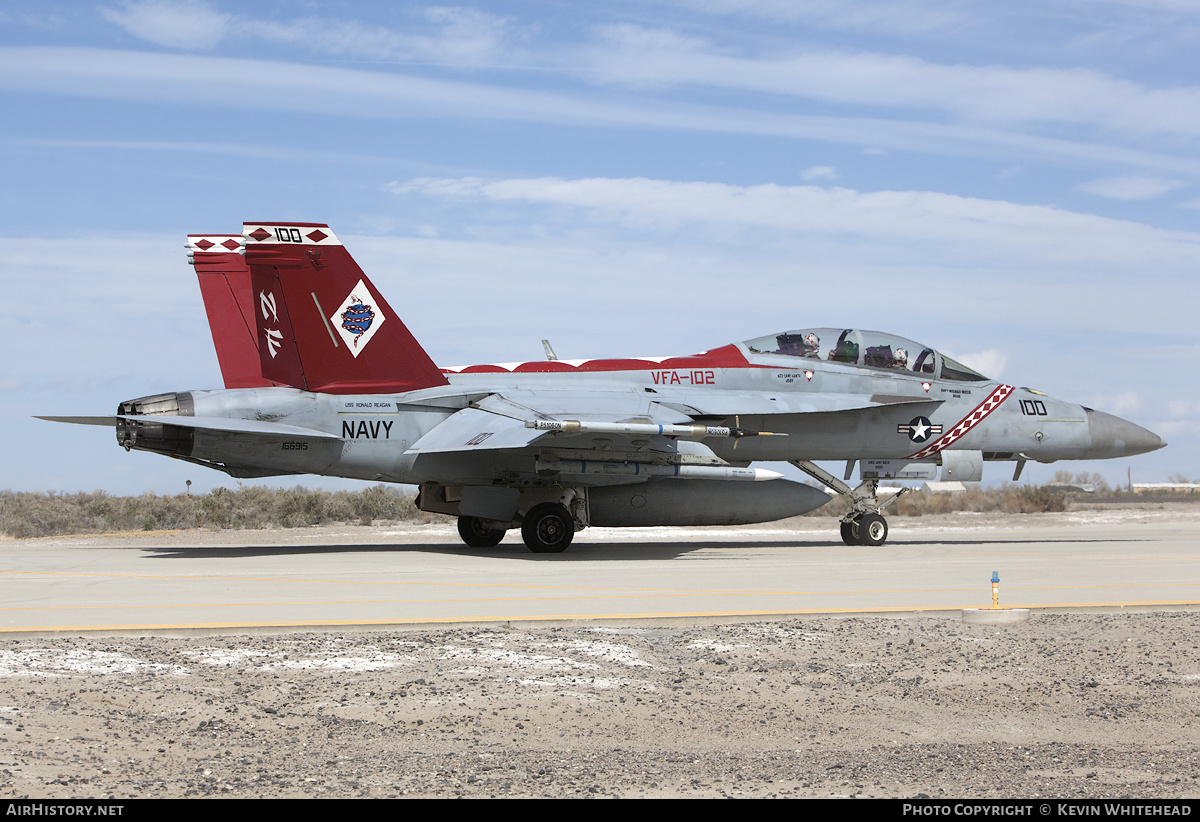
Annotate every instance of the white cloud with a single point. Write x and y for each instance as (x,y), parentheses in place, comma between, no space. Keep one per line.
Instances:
(1131,188)
(443,35)
(643,57)
(965,230)
(452,36)
(926,265)
(996,95)
(1169,8)
(907,16)
(182,24)
(1123,404)
(334,91)
(819,173)
(991,363)
(1184,408)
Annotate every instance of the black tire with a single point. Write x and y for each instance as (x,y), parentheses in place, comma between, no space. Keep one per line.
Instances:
(548,528)
(872,529)
(850,532)
(479,533)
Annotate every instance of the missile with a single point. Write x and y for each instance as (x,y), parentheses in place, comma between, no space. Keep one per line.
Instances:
(693,432)
(645,469)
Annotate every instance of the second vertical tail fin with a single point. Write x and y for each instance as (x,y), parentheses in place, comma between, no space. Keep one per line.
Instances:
(229,302)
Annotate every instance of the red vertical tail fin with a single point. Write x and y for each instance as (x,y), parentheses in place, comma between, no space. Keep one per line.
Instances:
(321,325)
(229,302)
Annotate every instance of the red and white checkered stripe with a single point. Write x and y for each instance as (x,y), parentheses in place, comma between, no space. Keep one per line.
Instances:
(964,425)
(214,243)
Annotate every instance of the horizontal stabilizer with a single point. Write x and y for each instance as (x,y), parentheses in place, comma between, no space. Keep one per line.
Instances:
(221,424)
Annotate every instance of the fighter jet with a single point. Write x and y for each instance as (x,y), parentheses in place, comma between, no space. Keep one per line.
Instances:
(322,377)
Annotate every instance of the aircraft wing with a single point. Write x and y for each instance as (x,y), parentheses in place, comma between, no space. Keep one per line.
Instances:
(498,421)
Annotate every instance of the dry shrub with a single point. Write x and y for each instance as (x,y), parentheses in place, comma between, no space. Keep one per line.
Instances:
(24,515)
(1032,499)
(1009,499)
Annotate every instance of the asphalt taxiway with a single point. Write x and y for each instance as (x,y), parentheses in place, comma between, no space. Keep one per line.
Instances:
(421,574)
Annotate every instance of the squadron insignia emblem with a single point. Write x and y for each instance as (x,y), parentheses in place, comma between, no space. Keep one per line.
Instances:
(358,318)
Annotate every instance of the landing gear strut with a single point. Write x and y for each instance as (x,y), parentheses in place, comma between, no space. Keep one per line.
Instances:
(864,525)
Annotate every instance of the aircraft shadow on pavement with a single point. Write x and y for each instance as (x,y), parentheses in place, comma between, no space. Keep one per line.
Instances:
(601,551)
(580,551)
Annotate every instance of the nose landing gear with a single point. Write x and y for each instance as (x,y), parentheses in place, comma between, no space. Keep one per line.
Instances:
(867,529)
(864,525)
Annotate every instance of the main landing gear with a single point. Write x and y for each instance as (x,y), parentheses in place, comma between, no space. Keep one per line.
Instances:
(864,525)
(547,528)
(477,532)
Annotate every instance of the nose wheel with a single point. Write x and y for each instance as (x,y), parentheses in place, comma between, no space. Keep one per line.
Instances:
(850,531)
(872,529)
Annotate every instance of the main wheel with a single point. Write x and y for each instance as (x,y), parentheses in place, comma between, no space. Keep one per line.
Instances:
(850,532)
(479,533)
(548,528)
(872,529)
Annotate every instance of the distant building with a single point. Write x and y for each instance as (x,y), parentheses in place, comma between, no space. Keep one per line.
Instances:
(951,487)
(1156,487)
(1083,487)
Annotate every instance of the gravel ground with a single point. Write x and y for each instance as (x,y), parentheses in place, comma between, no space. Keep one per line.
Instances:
(1066,705)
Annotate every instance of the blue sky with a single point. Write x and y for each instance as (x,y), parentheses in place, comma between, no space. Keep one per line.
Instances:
(1016,184)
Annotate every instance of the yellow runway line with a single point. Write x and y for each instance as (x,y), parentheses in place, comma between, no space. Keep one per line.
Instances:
(537,618)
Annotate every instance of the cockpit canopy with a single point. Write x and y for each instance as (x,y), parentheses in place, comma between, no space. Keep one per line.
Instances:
(873,349)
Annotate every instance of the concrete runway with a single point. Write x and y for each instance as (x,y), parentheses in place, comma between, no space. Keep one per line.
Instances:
(409,575)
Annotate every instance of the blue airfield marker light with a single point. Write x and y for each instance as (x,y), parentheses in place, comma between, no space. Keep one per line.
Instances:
(995,615)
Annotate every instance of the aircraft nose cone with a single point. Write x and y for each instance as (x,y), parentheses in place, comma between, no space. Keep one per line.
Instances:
(1114,437)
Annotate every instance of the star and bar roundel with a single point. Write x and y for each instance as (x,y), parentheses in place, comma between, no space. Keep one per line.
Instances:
(917,431)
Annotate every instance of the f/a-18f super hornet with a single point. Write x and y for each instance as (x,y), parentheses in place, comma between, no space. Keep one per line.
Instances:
(322,377)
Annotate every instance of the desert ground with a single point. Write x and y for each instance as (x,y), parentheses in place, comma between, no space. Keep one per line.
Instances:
(1072,704)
